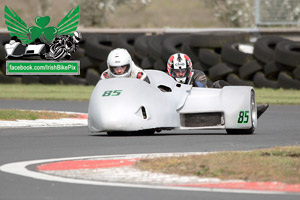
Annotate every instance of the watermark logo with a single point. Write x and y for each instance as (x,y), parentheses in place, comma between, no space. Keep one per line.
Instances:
(17,27)
(42,41)
(36,67)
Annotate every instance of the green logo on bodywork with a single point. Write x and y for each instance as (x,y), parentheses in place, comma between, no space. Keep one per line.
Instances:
(112,93)
(17,27)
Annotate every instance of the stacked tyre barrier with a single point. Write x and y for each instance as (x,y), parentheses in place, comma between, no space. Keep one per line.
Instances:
(270,61)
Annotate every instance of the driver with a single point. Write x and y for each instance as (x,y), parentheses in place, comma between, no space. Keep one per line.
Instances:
(120,65)
(180,68)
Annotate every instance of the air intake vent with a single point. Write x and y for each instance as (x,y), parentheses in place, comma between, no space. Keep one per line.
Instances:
(144,112)
(202,119)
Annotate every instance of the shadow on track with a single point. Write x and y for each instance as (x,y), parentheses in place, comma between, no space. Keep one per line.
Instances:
(173,133)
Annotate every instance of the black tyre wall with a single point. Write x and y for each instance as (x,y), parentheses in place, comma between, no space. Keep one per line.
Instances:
(233,79)
(286,81)
(249,69)
(260,81)
(217,39)
(219,71)
(288,53)
(171,45)
(296,73)
(192,52)
(264,48)
(231,54)
(208,57)
(99,46)
(126,41)
(141,46)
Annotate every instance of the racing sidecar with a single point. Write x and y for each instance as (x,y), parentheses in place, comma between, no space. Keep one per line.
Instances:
(127,104)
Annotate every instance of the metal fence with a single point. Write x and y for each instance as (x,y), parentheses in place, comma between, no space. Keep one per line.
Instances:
(277,12)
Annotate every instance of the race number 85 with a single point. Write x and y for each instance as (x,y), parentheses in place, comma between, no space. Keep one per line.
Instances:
(108,93)
(243,117)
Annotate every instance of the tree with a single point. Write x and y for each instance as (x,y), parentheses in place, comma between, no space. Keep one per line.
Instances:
(241,13)
(93,12)
(233,13)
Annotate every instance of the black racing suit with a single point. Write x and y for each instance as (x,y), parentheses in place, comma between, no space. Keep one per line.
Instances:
(198,79)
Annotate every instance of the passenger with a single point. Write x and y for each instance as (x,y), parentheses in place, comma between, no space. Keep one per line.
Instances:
(180,67)
(121,65)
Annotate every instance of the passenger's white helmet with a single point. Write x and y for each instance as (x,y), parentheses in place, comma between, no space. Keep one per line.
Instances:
(119,58)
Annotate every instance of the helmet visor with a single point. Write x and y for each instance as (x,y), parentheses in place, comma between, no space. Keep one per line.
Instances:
(119,70)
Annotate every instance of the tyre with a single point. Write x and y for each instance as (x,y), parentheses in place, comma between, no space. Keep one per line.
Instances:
(160,65)
(72,80)
(171,45)
(286,81)
(288,53)
(2,68)
(231,53)
(92,77)
(9,79)
(261,81)
(85,63)
(198,66)
(126,41)
(296,73)
(233,79)
(249,69)
(192,52)
(264,48)
(79,53)
(217,39)
(208,57)
(99,46)
(2,52)
(235,68)
(272,69)
(102,67)
(253,117)
(141,46)
(155,46)
(30,80)
(4,38)
(219,71)
(147,63)
(50,79)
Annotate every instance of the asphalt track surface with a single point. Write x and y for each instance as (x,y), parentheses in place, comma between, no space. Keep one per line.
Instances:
(279,126)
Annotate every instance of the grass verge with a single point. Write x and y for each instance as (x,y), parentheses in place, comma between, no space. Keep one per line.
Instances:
(277,164)
(279,96)
(12,115)
(80,93)
(45,92)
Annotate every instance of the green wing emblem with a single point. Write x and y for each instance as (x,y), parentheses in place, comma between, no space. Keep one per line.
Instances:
(69,23)
(16,26)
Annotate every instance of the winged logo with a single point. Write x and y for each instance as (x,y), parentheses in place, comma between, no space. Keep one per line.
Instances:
(17,27)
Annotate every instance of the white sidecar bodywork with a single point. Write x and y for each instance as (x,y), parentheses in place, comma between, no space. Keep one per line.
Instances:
(127,104)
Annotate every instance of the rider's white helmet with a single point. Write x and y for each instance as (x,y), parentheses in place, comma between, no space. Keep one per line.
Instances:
(119,58)
(180,62)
